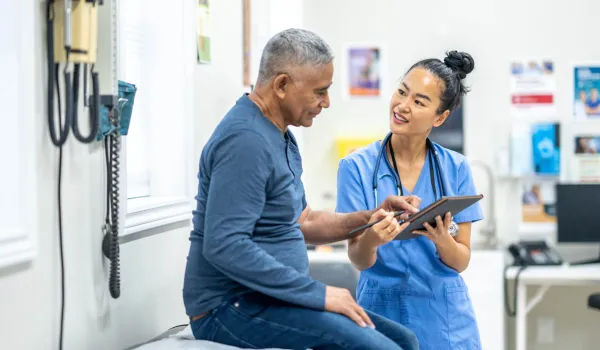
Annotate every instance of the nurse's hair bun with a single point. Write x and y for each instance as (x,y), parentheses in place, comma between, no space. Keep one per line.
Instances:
(460,62)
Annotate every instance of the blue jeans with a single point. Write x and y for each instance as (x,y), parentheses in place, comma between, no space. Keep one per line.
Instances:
(257,321)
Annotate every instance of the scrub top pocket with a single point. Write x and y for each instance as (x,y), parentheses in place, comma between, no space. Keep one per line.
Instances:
(391,303)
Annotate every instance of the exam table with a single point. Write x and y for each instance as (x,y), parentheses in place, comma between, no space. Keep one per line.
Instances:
(181,338)
(331,269)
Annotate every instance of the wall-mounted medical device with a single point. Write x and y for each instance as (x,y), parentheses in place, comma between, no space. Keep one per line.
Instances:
(114,123)
(72,39)
(72,49)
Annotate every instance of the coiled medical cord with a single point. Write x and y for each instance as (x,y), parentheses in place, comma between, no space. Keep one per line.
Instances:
(110,245)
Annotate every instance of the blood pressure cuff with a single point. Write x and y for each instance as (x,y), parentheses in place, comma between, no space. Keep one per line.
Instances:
(124,105)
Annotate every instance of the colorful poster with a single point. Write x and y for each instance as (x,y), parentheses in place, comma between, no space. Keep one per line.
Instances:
(533,88)
(586,167)
(203,34)
(586,102)
(345,146)
(545,139)
(539,202)
(363,71)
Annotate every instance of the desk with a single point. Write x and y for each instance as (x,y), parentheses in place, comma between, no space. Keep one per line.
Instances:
(545,277)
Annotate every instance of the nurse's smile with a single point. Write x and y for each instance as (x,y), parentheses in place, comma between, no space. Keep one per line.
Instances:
(400,119)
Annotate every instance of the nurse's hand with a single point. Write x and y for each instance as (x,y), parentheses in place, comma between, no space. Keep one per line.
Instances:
(410,204)
(440,231)
(383,231)
(340,301)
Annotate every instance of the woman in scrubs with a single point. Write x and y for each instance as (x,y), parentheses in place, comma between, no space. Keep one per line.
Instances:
(417,282)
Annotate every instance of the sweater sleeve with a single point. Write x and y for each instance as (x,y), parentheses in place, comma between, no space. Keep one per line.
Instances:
(240,168)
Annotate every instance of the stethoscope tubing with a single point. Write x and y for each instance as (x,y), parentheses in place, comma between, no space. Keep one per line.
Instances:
(376,177)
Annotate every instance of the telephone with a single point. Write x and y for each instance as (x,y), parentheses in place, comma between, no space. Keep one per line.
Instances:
(527,253)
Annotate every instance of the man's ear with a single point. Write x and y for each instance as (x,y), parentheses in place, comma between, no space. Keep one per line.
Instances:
(281,84)
(440,119)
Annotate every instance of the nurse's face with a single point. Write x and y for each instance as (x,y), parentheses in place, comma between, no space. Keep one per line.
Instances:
(414,105)
(303,93)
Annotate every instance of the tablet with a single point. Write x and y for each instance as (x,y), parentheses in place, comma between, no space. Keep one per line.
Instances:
(453,205)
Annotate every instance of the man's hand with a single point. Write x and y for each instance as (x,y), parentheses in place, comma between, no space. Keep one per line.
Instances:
(340,301)
(410,204)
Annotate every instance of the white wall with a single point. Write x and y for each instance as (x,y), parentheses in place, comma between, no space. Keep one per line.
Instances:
(268,18)
(151,268)
(494,32)
(220,84)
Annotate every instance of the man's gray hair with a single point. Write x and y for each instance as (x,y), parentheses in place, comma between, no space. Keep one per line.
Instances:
(292,47)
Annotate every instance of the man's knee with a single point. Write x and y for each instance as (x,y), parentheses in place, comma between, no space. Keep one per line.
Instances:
(411,342)
(405,339)
(371,339)
(396,332)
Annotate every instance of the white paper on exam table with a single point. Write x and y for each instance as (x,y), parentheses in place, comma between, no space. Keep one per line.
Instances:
(184,340)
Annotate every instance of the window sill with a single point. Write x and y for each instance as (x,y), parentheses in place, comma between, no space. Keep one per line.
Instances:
(151,212)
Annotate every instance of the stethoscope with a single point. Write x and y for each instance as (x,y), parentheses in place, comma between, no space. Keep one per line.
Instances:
(434,161)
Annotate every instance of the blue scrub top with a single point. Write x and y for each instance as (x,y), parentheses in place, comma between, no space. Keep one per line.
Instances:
(409,283)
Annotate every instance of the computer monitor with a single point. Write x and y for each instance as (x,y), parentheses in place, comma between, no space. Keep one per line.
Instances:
(578,215)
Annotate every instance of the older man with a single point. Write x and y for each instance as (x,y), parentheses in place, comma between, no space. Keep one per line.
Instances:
(246,281)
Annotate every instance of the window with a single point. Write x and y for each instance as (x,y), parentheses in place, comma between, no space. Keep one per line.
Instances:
(18,177)
(153,54)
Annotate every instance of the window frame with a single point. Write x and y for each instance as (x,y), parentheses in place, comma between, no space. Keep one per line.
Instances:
(168,202)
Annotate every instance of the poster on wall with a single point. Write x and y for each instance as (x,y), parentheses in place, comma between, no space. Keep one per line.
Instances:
(532,88)
(535,149)
(545,140)
(538,202)
(586,167)
(586,99)
(363,71)
(203,35)
(347,145)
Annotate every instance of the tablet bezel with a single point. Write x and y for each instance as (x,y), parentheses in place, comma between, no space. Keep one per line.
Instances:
(440,207)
